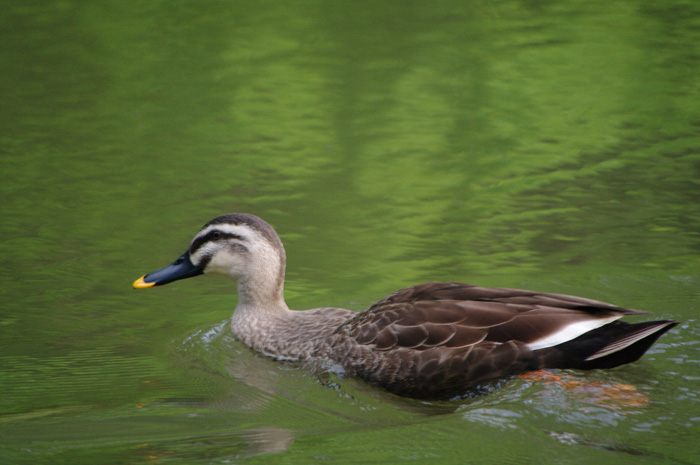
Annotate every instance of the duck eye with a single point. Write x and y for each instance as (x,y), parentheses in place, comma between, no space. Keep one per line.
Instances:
(216,235)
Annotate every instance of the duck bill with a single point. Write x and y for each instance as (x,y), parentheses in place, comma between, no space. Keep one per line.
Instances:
(180,269)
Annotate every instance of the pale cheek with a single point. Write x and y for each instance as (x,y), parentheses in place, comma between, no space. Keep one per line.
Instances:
(226,265)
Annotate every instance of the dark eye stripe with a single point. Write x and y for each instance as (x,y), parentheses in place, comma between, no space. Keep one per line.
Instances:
(214,235)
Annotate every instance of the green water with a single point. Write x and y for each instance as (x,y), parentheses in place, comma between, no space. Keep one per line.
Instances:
(545,145)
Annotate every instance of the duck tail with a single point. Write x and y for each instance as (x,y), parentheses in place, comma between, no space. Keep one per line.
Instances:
(609,346)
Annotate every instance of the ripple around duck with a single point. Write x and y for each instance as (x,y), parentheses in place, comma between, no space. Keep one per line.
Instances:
(606,410)
(577,403)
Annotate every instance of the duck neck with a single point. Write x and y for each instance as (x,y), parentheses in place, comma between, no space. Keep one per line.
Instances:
(267,300)
(260,301)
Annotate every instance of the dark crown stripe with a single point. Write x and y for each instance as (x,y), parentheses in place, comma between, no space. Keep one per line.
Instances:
(198,242)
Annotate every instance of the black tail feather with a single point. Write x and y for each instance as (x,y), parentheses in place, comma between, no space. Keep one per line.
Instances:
(609,346)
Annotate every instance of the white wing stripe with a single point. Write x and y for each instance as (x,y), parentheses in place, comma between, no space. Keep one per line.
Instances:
(571,331)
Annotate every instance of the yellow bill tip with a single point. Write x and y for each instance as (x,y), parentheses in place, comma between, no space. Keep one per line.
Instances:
(141,284)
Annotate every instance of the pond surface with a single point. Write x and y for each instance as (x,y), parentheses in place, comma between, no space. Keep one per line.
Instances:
(553,146)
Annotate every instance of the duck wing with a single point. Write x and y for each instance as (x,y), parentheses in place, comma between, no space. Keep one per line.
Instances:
(437,339)
(454,315)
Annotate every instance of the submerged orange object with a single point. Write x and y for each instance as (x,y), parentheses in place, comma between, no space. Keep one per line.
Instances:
(614,396)
(541,375)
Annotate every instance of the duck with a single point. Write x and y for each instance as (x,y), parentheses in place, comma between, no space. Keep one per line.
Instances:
(436,340)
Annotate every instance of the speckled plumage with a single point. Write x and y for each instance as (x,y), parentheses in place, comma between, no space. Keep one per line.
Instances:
(434,340)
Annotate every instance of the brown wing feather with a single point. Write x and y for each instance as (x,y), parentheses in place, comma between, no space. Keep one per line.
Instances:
(457,315)
(469,292)
(436,340)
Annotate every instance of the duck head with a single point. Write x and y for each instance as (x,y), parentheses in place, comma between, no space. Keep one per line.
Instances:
(238,245)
